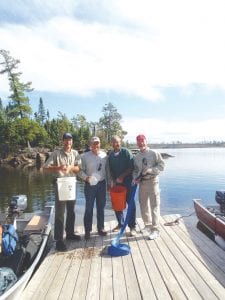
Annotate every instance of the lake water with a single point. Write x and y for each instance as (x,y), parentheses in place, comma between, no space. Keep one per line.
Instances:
(191,173)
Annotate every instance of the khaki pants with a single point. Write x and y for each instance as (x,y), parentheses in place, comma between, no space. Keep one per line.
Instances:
(149,199)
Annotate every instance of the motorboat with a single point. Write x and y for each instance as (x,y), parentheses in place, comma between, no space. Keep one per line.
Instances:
(212,217)
(33,231)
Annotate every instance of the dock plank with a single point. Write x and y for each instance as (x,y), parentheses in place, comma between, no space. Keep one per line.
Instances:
(118,270)
(196,271)
(95,271)
(178,265)
(81,284)
(106,288)
(151,263)
(144,281)
(173,287)
(50,275)
(39,277)
(204,253)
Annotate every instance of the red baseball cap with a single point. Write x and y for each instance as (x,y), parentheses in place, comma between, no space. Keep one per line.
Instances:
(140,137)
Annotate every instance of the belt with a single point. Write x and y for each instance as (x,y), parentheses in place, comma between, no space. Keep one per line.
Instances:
(149,178)
(101,181)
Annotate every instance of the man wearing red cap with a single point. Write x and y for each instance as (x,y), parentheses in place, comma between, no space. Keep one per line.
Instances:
(147,166)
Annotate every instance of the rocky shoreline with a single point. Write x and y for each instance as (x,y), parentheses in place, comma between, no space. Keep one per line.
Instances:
(36,157)
(28,157)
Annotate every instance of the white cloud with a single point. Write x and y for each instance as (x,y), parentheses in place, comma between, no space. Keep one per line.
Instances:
(171,131)
(145,45)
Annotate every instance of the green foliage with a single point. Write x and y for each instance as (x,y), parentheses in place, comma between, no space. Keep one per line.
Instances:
(82,133)
(29,130)
(2,113)
(110,123)
(17,129)
(24,130)
(41,115)
(56,128)
(19,104)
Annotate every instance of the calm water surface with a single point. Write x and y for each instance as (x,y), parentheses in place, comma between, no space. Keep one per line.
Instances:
(191,173)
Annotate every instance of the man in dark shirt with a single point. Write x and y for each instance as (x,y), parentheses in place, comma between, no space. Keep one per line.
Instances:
(120,167)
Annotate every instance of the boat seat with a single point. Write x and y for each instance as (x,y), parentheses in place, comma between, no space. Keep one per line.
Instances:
(15,261)
(221,218)
(36,224)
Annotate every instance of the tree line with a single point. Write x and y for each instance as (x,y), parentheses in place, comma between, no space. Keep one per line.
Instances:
(21,127)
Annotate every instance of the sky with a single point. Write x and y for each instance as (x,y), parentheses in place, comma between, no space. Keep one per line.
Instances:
(160,63)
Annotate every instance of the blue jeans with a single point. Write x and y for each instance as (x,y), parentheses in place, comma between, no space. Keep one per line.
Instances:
(119,214)
(91,193)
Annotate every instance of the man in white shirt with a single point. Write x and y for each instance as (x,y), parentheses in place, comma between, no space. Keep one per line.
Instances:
(94,174)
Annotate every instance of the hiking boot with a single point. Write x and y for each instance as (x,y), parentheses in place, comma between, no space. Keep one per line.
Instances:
(102,232)
(153,235)
(73,237)
(117,228)
(87,236)
(133,232)
(60,246)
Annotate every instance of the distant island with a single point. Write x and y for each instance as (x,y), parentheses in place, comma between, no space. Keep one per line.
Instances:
(178,145)
(182,145)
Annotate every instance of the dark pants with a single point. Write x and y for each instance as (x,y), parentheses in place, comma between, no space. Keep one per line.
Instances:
(59,217)
(91,193)
(119,214)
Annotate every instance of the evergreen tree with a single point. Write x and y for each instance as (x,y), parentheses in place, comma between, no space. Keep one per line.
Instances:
(2,112)
(56,127)
(82,130)
(48,115)
(110,123)
(41,115)
(19,105)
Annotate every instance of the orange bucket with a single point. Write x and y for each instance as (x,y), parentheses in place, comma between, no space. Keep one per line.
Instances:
(118,195)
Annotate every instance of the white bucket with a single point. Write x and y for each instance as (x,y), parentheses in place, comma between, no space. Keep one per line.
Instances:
(66,188)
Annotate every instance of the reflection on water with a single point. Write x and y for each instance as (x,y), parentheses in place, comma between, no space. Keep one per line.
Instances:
(38,186)
(191,173)
(28,181)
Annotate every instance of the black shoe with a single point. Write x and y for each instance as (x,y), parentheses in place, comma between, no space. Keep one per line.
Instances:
(60,246)
(102,232)
(117,228)
(87,236)
(74,237)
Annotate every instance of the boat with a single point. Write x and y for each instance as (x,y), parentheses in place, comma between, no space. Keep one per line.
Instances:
(212,217)
(33,231)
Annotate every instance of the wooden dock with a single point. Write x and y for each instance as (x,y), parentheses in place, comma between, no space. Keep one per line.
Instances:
(181,264)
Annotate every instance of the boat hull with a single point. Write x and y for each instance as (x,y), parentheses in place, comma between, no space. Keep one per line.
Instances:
(15,291)
(211,218)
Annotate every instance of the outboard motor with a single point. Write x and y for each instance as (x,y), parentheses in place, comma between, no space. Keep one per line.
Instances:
(220,199)
(18,203)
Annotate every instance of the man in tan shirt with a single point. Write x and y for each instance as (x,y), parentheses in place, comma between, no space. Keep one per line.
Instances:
(65,162)
(147,166)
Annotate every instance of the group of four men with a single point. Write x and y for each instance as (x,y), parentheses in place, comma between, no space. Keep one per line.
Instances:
(117,168)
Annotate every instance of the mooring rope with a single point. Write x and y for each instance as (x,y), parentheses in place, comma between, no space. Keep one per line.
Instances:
(177,220)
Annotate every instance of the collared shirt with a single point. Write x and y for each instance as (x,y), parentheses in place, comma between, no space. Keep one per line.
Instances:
(118,163)
(148,159)
(93,163)
(60,157)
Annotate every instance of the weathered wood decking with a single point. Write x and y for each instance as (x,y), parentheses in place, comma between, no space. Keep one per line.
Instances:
(181,264)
